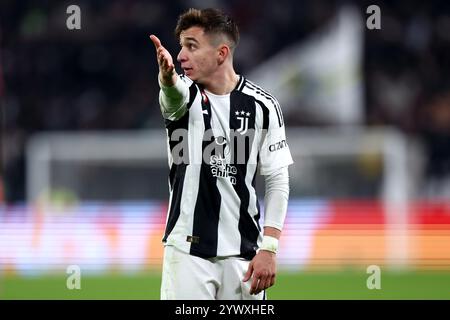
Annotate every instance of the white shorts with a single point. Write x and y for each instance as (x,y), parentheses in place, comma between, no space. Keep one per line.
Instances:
(187,277)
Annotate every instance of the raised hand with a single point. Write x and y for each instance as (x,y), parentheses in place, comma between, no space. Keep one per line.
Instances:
(165,62)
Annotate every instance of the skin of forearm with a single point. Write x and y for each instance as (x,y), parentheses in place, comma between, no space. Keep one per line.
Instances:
(272,232)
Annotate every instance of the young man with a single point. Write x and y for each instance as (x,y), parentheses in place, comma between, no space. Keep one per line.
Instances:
(223,128)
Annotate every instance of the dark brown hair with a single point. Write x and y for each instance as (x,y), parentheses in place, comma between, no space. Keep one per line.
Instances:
(213,21)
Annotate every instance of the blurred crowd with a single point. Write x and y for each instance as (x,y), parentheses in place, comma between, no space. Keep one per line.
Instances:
(103,77)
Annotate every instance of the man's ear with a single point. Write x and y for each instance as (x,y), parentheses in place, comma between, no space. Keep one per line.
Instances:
(222,53)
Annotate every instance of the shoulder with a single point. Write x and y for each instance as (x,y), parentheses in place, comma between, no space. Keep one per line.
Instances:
(264,98)
(260,94)
(193,88)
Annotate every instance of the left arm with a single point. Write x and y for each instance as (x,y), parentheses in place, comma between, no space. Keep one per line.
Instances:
(263,265)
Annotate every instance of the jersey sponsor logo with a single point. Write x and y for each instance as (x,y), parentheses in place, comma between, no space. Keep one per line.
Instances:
(220,167)
(277,145)
(242,116)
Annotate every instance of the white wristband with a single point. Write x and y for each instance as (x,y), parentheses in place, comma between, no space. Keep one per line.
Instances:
(269,244)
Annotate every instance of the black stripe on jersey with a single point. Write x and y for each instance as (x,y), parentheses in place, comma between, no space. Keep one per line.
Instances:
(207,207)
(258,209)
(176,175)
(182,123)
(243,106)
(175,204)
(260,91)
(192,94)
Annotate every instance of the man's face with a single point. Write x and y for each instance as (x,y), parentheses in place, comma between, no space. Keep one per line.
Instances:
(198,57)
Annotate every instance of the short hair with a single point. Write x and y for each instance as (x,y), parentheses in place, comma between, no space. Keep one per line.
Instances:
(213,21)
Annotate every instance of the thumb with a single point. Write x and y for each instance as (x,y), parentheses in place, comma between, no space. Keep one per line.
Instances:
(249,272)
(155,41)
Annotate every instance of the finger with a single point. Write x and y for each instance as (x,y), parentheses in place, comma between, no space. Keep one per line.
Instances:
(160,50)
(167,66)
(155,41)
(261,285)
(166,55)
(165,59)
(161,56)
(268,283)
(249,272)
(170,68)
(160,59)
(272,280)
(254,285)
(164,63)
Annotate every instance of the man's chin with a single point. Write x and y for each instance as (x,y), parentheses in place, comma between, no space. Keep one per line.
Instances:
(190,76)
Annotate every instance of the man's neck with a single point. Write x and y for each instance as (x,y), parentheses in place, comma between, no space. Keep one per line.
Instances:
(222,83)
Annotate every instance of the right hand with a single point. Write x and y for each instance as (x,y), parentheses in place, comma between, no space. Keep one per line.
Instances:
(165,62)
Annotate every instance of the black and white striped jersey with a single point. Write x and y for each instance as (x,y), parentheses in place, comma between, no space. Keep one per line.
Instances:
(216,146)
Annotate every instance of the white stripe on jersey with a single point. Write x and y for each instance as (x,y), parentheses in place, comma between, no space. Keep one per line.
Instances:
(229,237)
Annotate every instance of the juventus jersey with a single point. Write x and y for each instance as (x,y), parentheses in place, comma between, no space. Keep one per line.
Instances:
(216,146)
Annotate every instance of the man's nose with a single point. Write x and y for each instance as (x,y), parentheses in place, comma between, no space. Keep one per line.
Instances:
(181,56)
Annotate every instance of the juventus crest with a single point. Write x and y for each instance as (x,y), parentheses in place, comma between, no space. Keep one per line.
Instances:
(242,116)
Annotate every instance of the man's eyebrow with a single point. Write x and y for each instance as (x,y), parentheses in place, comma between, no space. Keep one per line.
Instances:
(189,39)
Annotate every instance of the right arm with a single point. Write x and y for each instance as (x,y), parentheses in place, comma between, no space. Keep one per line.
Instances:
(174,93)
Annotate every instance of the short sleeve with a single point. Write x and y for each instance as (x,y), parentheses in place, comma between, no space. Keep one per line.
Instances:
(274,152)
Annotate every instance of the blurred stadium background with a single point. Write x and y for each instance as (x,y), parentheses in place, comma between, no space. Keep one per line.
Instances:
(83,157)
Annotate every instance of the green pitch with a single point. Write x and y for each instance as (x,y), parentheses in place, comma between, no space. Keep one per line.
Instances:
(301,285)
